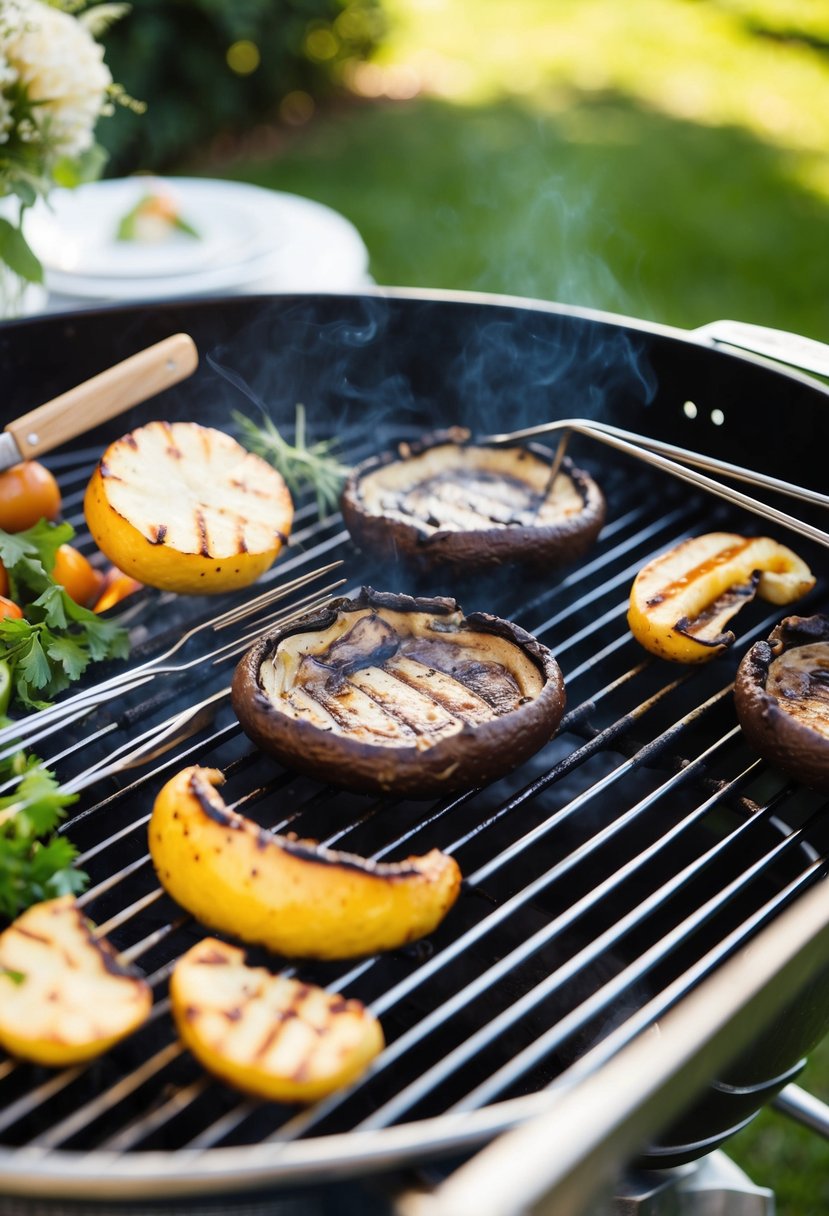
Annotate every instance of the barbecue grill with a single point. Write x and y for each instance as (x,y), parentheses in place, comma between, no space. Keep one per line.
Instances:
(643,915)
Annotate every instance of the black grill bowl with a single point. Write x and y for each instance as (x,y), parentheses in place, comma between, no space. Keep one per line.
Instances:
(645,838)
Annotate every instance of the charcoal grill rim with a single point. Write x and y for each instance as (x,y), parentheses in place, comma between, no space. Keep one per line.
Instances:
(100,1175)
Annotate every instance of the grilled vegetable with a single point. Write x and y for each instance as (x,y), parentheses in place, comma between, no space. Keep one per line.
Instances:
(185,508)
(782,698)
(293,896)
(64,997)
(445,501)
(681,602)
(389,693)
(269,1035)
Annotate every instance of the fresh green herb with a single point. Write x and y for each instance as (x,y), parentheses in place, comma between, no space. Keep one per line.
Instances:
(303,465)
(56,639)
(35,862)
(16,977)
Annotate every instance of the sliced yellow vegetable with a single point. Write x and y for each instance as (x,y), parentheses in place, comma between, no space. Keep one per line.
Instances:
(269,1035)
(681,602)
(292,896)
(64,996)
(185,508)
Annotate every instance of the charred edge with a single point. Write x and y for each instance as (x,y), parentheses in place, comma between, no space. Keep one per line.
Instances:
(212,805)
(349,862)
(131,441)
(213,958)
(160,535)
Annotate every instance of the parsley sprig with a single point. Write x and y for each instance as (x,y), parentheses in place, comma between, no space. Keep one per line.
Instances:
(35,862)
(53,643)
(303,466)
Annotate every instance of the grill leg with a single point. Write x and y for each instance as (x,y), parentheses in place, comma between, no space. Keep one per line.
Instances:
(714,1186)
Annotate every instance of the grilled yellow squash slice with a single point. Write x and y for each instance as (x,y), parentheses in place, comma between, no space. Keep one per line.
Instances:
(64,997)
(681,602)
(266,1034)
(292,896)
(185,508)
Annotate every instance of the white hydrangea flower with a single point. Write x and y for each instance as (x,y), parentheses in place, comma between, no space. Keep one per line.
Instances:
(61,67)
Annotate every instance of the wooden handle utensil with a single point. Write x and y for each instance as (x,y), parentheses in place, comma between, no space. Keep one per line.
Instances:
(103,397)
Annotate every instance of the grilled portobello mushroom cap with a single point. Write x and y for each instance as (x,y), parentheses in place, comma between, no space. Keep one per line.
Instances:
(445,500)
(387,693)
(782,698)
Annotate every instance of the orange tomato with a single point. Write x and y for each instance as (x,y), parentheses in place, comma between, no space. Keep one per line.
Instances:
(4,581)
(76,575)
(9,608)
(28,492)
(116,587)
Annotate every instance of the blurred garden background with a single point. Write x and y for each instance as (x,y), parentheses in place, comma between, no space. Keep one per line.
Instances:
(667,159)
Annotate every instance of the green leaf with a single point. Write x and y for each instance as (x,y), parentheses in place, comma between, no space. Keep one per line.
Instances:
(15,252)
(52,601)
(70,654)
(34,665)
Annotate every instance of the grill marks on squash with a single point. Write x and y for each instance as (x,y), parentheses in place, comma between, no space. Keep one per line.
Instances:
(381,684)
(271,1035)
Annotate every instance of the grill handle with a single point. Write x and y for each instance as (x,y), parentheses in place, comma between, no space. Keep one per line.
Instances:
(804,1108)
(791,349)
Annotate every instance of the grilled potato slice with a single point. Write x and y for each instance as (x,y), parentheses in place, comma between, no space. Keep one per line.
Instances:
(266,1034)
(185,508)
(64,997)
(681,602)
(292,896)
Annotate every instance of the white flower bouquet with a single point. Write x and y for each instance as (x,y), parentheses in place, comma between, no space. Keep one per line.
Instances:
(54,86)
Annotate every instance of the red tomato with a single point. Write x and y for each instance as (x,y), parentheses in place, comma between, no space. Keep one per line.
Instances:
(4,581)
(76,575)
(28,492)
(9,608)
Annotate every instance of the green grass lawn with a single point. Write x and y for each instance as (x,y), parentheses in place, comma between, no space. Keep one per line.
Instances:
(663,158)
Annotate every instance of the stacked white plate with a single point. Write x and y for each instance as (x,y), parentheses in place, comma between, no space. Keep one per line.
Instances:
(248,239)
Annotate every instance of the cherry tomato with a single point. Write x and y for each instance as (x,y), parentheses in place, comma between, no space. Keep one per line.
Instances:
(9,608)
(28,492)
(116,587)
(4,580)
(76,575)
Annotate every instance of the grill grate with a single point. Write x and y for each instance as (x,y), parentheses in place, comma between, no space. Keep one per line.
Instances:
(602,880)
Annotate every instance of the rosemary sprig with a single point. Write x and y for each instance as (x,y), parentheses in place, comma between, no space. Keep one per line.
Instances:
(304,466)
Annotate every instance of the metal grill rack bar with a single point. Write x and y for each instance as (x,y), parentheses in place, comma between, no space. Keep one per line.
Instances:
(603,882)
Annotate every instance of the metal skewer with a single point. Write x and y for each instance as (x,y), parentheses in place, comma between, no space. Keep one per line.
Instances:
(23,733)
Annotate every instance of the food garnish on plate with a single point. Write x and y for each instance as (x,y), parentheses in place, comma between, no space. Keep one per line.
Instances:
(292,896)
(387,693)
(186,508)
(153,219)
(782,698)
(445,500)
(681,602)
(269,1035)
(64,995)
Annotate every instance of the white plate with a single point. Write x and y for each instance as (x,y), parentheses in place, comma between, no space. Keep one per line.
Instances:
(76,232)
(314,249)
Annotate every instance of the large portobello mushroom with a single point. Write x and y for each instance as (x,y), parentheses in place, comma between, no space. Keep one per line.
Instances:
(782,698)
(447,501)
(386,693)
